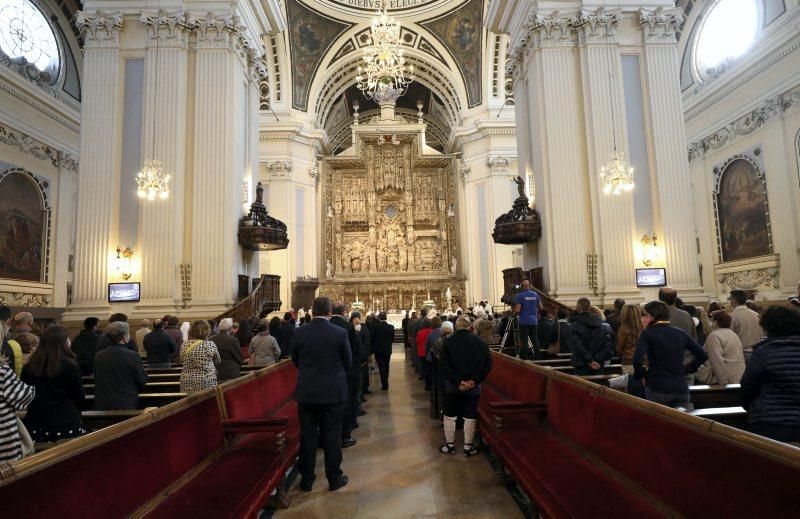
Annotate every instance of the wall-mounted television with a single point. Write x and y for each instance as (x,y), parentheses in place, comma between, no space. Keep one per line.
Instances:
(124,292)
(651,277)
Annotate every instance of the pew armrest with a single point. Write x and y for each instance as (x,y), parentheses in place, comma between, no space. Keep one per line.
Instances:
(253,425)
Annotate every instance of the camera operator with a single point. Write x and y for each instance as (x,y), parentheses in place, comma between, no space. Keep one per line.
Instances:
(528,304)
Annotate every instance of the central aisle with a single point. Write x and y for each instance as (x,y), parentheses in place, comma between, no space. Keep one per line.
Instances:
(396,471)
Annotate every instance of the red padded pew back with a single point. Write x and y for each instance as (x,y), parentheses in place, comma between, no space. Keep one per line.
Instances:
(516,379)
(571,409)
(699,474)
(102,475)
(262,395)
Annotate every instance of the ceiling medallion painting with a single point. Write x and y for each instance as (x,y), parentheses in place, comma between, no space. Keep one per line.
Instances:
(310,36)
(460,31)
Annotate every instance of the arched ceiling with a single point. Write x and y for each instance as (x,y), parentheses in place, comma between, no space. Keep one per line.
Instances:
(443,39)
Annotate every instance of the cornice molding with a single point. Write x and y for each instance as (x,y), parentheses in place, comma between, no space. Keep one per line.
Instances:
(29,99)
(767,111)
(26,144)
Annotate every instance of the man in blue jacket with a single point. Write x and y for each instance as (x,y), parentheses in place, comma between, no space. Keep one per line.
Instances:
(321,352)
(528,305)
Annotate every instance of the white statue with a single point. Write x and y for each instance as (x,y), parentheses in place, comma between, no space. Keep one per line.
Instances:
(453,265)
(330,211)
(448,296)
(328,269)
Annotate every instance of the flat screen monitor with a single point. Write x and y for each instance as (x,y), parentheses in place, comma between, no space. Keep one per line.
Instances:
(124,292)
(651,277)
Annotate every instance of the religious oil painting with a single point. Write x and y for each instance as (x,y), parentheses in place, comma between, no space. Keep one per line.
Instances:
(742,211)
(22,223)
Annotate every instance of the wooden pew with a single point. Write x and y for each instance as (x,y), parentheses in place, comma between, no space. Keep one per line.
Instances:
(96,420)
(169,386)
(554,362)
(145,399)
(151,377)
(716,396)
(613,369)
(734,416)
(600,379)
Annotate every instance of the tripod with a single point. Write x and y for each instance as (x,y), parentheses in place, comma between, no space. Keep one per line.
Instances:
(512,330)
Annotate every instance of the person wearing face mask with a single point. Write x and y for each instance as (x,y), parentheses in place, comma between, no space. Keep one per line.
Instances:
(664,347)
(363,358)
(725,356)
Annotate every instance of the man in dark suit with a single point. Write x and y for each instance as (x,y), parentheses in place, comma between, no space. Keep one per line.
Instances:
(118,372)
(287,332)
(382,340)
(321,352)
(353,373)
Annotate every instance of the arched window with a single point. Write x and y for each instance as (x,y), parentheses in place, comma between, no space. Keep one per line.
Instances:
(742,210)
(728,30)
(25,34)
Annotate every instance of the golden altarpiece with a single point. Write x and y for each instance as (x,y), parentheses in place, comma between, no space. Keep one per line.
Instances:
(389,214)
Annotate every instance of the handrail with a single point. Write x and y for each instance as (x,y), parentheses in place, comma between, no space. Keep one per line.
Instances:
(250,307)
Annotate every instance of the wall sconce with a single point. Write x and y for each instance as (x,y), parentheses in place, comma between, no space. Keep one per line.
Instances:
(649,249)
(122,262)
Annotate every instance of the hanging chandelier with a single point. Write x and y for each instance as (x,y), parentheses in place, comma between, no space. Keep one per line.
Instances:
(385,76)
(151,181)
(615,176)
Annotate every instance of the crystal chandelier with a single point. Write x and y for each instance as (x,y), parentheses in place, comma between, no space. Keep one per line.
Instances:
(152,182)
(615,176)
(383,77)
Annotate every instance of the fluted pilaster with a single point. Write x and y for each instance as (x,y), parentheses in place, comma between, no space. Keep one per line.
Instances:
(67,190)
(613,215)
(563,164)
(164,138)
(99,164)
(670,168)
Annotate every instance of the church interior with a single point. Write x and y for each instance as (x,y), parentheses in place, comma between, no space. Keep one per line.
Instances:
(174,171)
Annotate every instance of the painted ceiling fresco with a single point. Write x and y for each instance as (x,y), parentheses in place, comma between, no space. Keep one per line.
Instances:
(460,31)
(310,36)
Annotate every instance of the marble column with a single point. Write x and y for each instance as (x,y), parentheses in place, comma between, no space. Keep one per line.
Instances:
(217,160)
(164,138)
(670,166)
(99,164)
(612,215)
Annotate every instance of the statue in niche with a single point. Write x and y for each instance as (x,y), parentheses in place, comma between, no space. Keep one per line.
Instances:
(328,268)
(346,265)
(330,211)
(402,257)
(381,253)
(453,265)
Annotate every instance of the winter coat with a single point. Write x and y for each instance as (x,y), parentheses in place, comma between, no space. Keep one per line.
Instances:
(590,340)
(771,382)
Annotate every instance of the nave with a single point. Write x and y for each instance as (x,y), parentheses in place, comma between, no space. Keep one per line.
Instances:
(395,469)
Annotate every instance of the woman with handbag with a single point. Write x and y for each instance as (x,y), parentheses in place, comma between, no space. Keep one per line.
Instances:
(15,396)
(199,357)
(725,354)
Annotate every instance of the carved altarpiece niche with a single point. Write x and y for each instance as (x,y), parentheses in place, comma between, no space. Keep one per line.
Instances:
(389,225)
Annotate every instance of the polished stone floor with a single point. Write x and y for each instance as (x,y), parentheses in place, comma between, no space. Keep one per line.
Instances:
(396,471)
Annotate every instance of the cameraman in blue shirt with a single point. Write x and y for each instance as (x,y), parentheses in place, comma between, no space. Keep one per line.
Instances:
(528,305)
